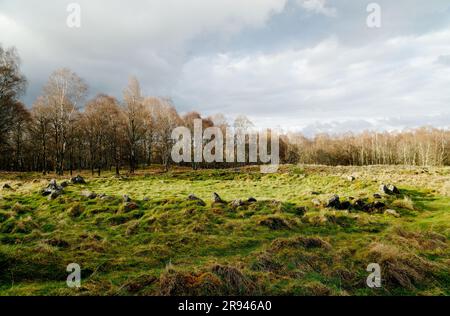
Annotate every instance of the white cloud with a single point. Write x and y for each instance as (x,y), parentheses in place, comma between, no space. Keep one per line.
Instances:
(318,6)
(326,82)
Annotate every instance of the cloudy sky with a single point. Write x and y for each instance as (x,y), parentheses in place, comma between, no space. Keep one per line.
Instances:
(307,65)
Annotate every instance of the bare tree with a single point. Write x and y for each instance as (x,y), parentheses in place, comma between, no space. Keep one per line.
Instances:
(134,110)
(63,94)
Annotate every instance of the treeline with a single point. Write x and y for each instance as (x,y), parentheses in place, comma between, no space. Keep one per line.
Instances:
(425,146)
(62,131)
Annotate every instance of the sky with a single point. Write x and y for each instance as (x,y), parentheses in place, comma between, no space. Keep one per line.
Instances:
(300,65)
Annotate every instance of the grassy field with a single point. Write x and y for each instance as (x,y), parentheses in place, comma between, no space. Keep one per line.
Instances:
(161,243)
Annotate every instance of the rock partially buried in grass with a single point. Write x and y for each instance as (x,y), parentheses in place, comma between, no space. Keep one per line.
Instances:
(301,211)
(377,196)
(200,202)
(64,184)
(251,200)
(126,198)
(393,189)
(53,190)
(351,178)
(392,213)
(217,198)
(316,202)
(237,203)
(78,180)
(6,186)
(89,194)
(345,205)
(130,206)
(389,189)
(333,202)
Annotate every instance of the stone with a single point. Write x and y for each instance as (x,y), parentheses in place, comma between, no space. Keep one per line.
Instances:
(377,196)
(384,189)
(359,204)
(146,199)
(237,203)
(316,202)
(126,198)
(389,189)
(6,186)
(192,197)
(217,198)
(379,205)
(301,210)
(393,189)
(78,180)
(345,205)
(52,189)
(130,206)
(351,178)
(333,202)
(392,213)
(251,200)
(53,195)
(89,194)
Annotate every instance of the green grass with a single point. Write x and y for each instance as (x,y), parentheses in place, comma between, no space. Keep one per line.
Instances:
(171,246)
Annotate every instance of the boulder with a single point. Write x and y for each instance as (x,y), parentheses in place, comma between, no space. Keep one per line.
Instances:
(351,178)
(192,197)
(333,202)
(217,198)
(251,200)
(78,180)
(392,213)
(6,186)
